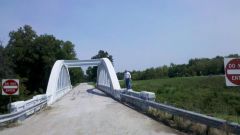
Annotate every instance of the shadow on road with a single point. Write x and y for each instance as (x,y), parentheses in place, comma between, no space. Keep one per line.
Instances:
(96,92)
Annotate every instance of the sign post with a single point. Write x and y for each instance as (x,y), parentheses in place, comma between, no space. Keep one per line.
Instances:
(10,87)
(232,71)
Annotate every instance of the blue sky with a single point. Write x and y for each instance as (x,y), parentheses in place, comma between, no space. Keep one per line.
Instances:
(138,33)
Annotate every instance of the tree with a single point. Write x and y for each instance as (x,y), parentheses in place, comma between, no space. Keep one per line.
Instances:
(5,68)
(233,56)
(6,72)
(33,56)
(30,58)
(76,75)
(20,50)
(68,50)
(103,54)
(92,71)
(120,75)
(49,49)
(2,62)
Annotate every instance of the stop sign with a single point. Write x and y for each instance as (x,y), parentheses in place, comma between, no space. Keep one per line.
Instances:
(10,87)
(232,71)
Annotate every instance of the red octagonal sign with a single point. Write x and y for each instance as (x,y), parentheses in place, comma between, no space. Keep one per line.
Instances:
(232,72)
(10,87)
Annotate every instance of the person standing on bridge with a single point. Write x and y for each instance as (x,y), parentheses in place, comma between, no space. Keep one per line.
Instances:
(127,78)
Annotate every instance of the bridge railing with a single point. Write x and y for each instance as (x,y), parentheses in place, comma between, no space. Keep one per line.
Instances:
(146,100)
(115,93)
(145,104)
(22,109)
(59,84)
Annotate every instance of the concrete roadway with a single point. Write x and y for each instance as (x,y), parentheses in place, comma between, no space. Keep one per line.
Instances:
(88,111)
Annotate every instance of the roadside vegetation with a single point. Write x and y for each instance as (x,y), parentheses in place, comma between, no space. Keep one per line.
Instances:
(194,67)
(29,57)
(198,85)
(203,94)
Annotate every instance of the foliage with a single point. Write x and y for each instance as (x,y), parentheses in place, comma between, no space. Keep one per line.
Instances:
(30,57)
(5,64)
(76,75)
(92,71)
(195,67)
(205,94)
(5,72)
(103,54)
(33,56)
(120,75)
(91,74)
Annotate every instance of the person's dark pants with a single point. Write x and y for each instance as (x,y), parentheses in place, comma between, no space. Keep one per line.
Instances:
(128,83)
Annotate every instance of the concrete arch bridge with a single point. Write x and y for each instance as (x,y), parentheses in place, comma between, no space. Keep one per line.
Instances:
(84,109)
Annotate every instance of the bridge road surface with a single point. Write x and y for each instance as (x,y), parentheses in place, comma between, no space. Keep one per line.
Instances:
(88,111)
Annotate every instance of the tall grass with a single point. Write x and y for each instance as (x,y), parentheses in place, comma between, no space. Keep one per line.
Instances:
(208,95)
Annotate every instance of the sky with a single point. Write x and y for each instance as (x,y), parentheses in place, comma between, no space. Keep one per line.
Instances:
(139,34)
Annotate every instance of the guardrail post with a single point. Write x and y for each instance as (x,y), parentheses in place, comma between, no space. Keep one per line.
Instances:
(207,130)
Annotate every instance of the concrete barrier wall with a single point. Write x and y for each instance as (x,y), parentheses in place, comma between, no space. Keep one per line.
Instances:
(146,104)
(22,109)
(145,100)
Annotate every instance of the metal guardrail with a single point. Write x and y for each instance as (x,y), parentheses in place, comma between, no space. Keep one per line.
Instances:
(133,98)
(32,105)
(199,118)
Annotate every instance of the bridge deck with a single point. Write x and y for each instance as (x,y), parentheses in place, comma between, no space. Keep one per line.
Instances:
(88,111)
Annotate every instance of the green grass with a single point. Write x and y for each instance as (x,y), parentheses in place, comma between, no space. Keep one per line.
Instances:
(207,95)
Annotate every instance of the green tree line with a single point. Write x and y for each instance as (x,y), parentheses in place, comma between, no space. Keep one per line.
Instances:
(30,57)
(92,71)
(195,67)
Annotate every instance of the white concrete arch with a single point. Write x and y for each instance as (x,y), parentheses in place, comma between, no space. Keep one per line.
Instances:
(59,81)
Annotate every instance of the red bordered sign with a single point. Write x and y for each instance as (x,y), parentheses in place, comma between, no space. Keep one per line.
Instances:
(232,71)
(10,87)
